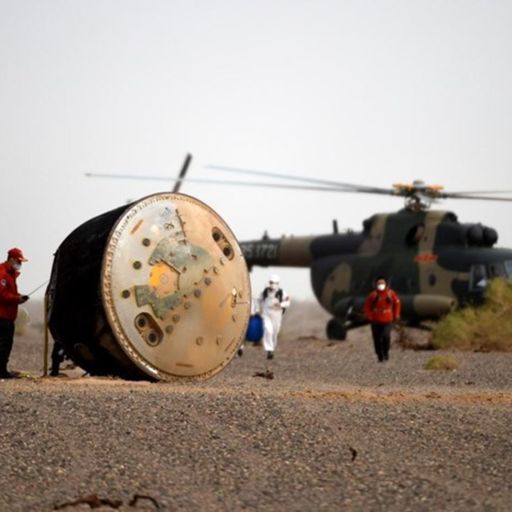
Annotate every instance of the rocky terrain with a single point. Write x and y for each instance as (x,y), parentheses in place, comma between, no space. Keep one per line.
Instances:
(332,429)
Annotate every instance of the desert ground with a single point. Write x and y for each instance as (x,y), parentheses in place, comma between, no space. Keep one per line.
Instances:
(332,430)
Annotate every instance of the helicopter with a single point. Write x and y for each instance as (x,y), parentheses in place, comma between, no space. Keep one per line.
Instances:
(434,262)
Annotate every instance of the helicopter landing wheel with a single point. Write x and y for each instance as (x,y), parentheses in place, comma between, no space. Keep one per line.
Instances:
(336,330)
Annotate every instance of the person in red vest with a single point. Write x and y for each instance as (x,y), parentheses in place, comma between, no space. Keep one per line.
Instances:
(382,309)
(9,301)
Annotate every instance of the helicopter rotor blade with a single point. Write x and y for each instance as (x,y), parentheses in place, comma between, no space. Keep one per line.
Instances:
(322,186)
(482,198)
(472,192)
(177,183)
(285,186)
(304,179)
(124,176)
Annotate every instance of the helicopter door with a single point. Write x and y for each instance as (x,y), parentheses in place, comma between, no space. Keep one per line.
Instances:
(478,278)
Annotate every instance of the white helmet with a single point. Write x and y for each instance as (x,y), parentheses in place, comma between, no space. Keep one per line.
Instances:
(274,278)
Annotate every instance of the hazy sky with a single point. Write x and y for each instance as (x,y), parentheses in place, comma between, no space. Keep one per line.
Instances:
(372,92)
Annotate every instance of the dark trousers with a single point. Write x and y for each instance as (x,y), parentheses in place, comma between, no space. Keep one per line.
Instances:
(382,340)
(6,339)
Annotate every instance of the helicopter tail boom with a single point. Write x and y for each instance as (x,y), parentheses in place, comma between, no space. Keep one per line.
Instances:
(284,252)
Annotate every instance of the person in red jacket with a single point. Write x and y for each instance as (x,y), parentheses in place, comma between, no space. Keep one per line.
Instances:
(9,301)
(381,309)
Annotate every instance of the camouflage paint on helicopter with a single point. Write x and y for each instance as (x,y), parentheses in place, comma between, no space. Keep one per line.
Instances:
(434,263)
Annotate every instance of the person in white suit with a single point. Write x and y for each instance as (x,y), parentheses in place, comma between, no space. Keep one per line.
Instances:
(273,302)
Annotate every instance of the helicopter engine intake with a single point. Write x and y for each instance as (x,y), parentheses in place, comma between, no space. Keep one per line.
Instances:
(490,236)
(478,235)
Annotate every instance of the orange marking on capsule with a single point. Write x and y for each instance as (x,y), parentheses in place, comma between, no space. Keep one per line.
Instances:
(136,227)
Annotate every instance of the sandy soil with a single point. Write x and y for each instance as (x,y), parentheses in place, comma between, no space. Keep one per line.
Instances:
(332,430)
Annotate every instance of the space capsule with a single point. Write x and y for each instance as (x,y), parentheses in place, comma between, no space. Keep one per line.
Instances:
(158,289)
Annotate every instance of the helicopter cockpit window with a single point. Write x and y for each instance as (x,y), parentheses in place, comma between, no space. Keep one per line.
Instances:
(478,277)
(508,268)
(415,234)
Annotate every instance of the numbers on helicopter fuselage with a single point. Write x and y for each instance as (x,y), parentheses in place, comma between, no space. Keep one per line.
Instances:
(260,250)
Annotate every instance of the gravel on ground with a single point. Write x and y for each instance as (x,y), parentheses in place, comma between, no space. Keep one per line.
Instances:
(332,430)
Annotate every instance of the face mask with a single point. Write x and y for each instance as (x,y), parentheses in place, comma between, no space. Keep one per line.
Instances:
(381,287)
(16,266)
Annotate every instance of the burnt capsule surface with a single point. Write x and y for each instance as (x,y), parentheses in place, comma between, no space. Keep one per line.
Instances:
(133,290)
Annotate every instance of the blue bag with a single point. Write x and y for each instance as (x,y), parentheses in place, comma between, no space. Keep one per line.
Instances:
(255,328)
